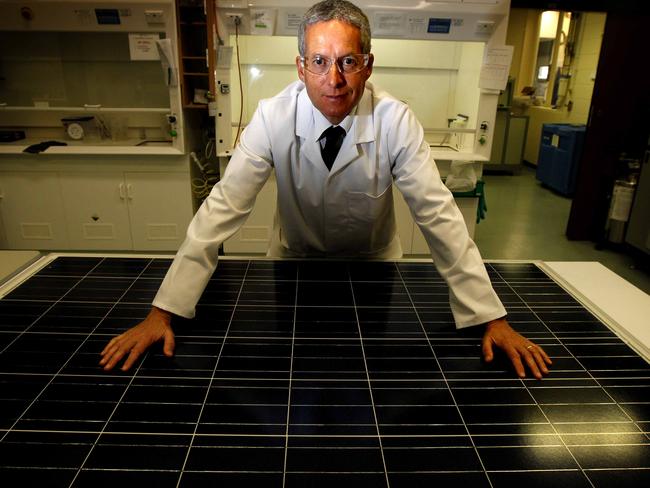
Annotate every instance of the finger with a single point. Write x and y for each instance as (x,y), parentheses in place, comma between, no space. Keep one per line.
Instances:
(532,364)
(114,359)
(108,352)
(540,361)
(546,357)
(135,353)
(110,344)
(488,353)
(170,344)
(540,356)
(515,359)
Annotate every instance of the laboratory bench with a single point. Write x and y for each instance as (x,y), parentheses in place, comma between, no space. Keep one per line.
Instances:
(321,373)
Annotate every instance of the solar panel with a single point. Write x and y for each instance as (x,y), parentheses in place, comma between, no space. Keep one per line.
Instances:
(312,373)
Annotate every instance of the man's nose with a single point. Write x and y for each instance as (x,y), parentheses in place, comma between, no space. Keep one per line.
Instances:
(335,75)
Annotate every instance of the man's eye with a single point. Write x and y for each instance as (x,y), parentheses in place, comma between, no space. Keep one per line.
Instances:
(349,61)
(318,61)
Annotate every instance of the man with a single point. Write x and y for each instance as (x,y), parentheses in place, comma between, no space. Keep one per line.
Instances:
(333,202)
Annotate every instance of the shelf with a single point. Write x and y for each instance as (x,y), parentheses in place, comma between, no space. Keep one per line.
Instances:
(195,41)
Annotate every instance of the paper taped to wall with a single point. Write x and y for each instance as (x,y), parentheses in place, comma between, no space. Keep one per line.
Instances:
(495,68)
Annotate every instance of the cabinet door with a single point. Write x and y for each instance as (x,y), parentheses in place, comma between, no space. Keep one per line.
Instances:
(499,139)
(254,236)
(32,211)
(516,139)
(96,208)
(160,209)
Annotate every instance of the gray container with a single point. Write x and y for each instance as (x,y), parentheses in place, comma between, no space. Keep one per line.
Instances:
(619,210)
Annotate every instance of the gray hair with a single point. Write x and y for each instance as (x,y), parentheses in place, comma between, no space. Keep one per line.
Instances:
(341,10)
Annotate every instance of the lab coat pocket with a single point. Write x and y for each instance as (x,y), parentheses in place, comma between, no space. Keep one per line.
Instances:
(369,208)
(371,226)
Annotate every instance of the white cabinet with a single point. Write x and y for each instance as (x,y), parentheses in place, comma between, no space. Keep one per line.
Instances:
(98,210)
(411,237)
(32,211)
(160,209)
(141,211)
(255,235)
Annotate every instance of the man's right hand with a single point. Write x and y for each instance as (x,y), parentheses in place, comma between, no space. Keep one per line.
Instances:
(135,341)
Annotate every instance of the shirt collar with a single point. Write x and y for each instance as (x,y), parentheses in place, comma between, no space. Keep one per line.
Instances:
(321,123)
(361,125)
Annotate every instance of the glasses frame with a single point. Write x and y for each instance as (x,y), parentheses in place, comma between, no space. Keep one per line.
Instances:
(336,62)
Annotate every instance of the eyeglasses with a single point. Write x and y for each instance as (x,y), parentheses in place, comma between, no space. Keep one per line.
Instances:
(320,65)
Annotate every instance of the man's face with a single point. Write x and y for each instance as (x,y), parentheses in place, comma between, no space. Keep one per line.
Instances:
(333,94)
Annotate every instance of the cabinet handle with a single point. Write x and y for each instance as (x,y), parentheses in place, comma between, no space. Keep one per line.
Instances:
(121,187)
(129,191)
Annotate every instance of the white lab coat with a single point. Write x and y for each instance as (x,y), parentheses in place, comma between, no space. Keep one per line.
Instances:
(347,211)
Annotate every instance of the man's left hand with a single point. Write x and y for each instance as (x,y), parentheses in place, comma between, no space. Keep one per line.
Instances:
(520,350)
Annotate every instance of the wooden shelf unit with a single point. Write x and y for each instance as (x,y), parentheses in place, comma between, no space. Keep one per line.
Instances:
(195,20)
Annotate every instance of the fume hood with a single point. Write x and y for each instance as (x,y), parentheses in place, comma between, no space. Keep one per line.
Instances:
(100,77)
(446,59)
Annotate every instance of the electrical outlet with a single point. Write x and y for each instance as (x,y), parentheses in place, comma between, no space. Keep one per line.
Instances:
(484,27)
(234,17)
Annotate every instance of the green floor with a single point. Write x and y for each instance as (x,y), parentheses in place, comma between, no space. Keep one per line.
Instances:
(527,221)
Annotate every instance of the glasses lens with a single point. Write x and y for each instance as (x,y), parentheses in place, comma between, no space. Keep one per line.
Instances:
(352,63)
(320,65)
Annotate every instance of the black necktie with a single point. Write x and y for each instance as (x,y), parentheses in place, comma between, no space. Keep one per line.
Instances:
(333,140)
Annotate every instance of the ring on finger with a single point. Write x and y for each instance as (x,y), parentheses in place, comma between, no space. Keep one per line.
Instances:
(530,346)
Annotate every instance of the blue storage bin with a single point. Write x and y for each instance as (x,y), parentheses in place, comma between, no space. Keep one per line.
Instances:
(559,154)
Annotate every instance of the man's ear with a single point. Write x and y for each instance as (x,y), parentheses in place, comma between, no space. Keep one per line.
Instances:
(371,60)
(301,71)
